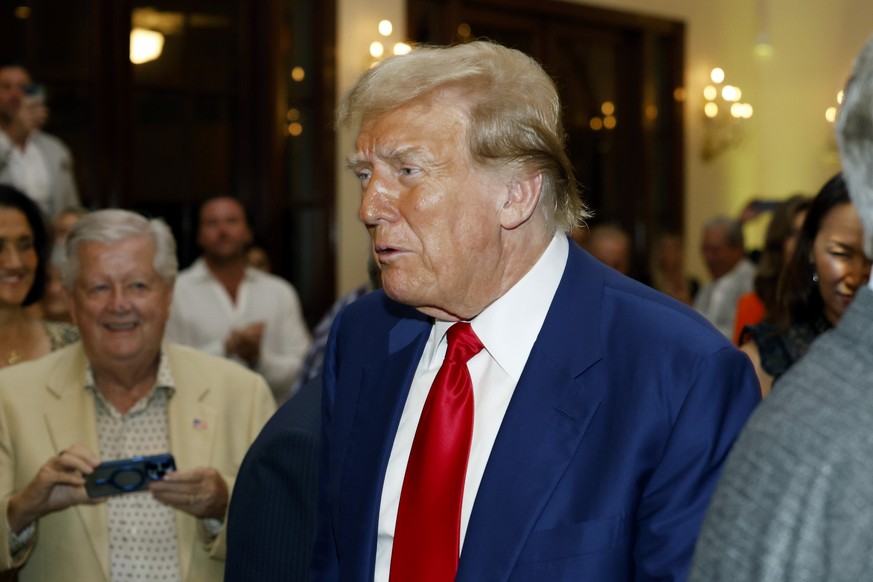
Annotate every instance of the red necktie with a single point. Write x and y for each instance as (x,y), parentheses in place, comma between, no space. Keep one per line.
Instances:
(428,530)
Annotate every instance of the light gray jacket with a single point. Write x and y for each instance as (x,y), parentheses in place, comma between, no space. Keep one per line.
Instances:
(795,501)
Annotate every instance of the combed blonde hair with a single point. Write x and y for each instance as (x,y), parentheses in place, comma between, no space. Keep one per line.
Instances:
(514,110)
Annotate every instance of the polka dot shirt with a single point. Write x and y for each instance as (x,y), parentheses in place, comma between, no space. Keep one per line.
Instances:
(142,532)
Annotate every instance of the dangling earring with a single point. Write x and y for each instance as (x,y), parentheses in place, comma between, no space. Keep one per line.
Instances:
(815,277)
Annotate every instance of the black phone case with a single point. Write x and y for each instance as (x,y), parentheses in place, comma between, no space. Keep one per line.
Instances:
(128,475)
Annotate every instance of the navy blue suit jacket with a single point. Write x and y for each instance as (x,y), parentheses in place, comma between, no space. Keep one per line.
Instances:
(271,520)
(606,457)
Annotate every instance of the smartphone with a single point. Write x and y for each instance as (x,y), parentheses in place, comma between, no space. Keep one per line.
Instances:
(35,90)
(128,475)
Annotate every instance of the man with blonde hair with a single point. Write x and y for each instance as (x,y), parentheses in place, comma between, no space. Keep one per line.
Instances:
(508,407)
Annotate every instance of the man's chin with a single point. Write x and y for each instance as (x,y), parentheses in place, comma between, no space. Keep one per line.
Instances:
(223,256)
(404,293)
(394,292)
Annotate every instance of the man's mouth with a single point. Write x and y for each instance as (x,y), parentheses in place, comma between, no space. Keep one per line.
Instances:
(385,254)
(120,326)
(385,249)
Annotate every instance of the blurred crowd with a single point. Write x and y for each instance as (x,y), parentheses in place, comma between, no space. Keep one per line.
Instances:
(431,426)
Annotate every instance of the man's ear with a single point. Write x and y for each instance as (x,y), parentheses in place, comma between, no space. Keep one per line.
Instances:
(522,199)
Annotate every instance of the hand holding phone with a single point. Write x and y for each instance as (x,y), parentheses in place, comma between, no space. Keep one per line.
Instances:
(200,491)
(128,475)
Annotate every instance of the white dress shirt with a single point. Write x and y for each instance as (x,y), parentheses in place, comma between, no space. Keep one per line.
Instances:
(508,329)
(203,315)
(28,171)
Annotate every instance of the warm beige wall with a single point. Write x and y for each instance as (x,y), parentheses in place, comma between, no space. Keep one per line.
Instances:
(788,147)
(357,27)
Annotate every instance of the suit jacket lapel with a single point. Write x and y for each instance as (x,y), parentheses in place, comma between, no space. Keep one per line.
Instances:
(383,389)
(192,426)
(191,419)
(71,418)
(542,429)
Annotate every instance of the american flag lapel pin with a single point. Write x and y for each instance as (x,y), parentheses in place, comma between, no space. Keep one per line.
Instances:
(199,424)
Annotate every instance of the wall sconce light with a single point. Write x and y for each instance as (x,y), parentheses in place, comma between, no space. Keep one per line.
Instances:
(607,120)
(723,115)
(831,151)
(377,48)
(145,45)
(831,112)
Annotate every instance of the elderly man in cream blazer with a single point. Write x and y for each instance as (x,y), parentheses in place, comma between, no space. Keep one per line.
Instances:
(122,392)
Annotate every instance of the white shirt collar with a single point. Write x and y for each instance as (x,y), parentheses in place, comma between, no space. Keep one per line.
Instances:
(201,270)
(508,328)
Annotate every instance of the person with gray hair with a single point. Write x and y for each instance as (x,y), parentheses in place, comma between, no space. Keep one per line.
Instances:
(506,407)
(115,226)
(795,502)
(121,392)
(723,248)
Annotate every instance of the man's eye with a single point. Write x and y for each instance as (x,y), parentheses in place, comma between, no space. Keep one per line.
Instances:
(363,175)
(408,171)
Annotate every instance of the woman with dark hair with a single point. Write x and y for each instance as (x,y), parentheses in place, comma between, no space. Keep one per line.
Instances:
(760,305)
(24,254)
(820,280)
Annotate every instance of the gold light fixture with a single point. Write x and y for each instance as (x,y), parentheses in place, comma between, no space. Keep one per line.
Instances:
(377,47)
(723,115)
(831,112)
(150,27)
(831,154)
(145,45)
(606,120)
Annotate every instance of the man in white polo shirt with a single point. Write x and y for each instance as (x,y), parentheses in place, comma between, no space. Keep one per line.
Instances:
(33,161)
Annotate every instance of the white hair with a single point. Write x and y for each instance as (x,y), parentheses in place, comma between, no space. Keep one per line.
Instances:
(113,226)
(855,138)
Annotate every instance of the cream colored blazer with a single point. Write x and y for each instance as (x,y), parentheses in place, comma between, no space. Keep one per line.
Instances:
(45,408)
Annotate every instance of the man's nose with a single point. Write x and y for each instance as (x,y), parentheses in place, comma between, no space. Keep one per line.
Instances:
(377,202)
(119,300)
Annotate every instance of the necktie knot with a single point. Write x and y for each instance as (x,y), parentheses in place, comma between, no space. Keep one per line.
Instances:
(463,343)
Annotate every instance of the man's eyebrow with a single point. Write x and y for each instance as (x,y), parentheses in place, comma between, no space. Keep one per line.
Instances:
(399,154)
(353,161)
